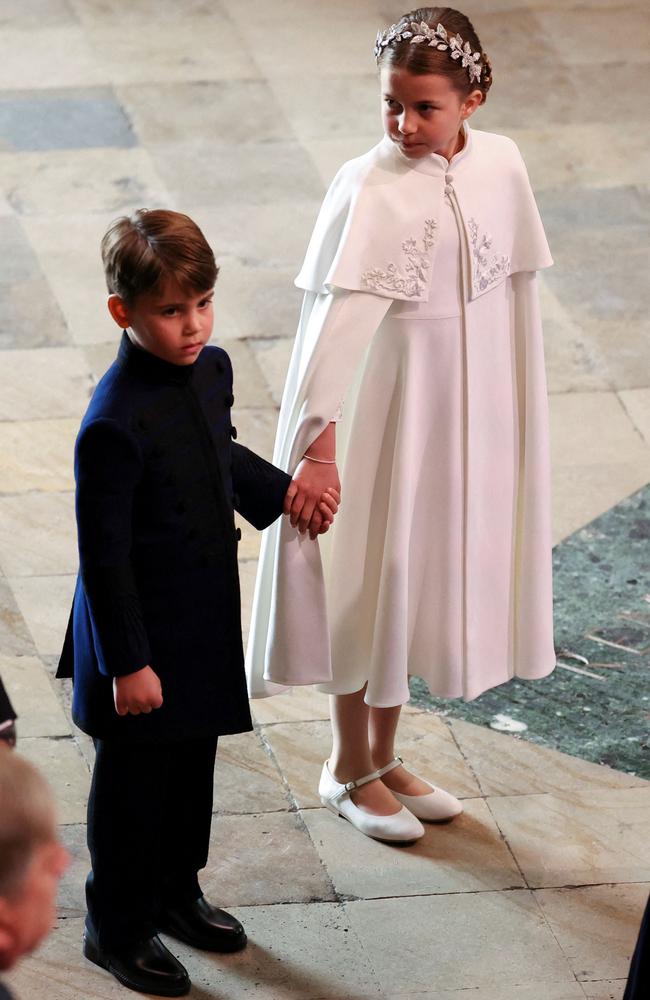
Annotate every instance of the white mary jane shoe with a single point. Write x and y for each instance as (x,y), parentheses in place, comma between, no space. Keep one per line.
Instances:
(401,827)
(436,807)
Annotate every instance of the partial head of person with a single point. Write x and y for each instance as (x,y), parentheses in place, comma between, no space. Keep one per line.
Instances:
(434,76)
(32,860)
(160,273)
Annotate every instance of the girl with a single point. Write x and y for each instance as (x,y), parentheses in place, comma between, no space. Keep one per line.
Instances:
(421,314)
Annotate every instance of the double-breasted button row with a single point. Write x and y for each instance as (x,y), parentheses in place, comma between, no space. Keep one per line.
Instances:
(233,433)
(229,400)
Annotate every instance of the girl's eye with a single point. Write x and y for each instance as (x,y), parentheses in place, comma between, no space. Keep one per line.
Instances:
(204,303)
(391,104)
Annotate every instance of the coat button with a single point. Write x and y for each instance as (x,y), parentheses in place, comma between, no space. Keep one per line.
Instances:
(233,433)
(191,535)
(449,178)
(229,400)
(180,507)
(157,451)
(238,535)
(449,189)
(142,423)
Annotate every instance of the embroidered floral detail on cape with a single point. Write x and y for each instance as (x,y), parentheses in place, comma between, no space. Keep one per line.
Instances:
(416,269)
(488,268)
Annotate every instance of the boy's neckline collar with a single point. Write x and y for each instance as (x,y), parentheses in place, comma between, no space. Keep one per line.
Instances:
(154,369)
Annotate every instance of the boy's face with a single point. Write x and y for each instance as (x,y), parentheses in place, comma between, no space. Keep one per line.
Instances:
(172,324)
(28,915)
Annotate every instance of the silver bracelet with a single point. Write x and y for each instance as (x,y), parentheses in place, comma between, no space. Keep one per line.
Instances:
(321,461)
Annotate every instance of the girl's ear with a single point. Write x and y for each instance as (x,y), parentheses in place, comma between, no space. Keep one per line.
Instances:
(471,104)
(119,311)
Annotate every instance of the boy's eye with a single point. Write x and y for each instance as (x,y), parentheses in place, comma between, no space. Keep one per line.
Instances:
(170,312)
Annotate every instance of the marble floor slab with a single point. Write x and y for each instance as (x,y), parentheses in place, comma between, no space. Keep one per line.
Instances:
(38,535)
(460,941)
(66,773)
(37,455)
(33,697)
(47,383)
(579,838)
(466,855)
(247,779)
(44,603)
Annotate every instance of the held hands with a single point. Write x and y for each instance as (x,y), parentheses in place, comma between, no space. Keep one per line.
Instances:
(137,693)
(313,497)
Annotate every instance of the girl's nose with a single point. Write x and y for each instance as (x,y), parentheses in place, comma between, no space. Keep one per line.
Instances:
(405,124)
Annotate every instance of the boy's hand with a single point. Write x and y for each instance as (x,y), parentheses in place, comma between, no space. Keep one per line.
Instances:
(310,482)
(137,692)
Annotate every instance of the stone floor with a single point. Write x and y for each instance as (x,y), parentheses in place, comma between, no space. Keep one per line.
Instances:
(239,114)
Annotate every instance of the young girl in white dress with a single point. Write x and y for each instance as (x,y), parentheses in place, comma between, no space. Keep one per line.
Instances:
(418,378)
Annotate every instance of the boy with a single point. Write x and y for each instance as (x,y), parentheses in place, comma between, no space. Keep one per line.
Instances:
(31,860)
(154,641)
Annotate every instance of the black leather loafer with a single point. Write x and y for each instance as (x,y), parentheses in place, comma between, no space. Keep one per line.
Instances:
(204,926)
(146,967)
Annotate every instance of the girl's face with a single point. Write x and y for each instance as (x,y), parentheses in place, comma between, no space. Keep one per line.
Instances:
(424,114)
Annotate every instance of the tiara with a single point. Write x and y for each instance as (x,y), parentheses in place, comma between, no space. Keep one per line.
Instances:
(436,38)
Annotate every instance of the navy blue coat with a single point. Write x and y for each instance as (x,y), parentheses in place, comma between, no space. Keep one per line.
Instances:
(158,476)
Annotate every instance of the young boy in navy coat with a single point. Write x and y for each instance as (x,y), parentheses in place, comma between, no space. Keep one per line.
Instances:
(154,642)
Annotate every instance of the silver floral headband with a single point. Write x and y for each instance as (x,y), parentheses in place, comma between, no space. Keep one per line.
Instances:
(436,38)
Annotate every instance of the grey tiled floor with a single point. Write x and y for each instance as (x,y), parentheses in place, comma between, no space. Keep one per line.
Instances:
(240,114)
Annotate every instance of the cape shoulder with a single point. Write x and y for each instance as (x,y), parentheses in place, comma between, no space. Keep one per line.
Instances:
(376,227)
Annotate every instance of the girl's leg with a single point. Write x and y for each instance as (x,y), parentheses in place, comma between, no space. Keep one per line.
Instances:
(351,757)
(382,726)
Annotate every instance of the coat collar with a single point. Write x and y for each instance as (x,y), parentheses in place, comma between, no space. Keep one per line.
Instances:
(435,165)
(147,366)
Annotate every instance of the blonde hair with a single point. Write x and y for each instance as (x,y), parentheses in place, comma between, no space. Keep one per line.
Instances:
(27,818)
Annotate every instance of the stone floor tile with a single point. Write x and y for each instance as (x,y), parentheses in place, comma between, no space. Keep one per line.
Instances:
(637,407)
(253,174)
(63,118)
(528,991)
(41,56)
(582,493)
(37,14)
(249,385)
(505,765)
(592,428)
(246,779)
(45,602)
(273,358)
(71,898)
(171,55)
(15,637)
(37,455)
(301,951)
(570,155)
(579,838)
(313,110)
(424,742)
(295,951)
(574,360)
(256,428)
(622,45)
(30,314)
(298,704)
(177,112)
(70,258)
(262,859)
(61,763)
(596,926)
(329,155)
(62,182)
(260,235)
(33,697)
(43,383)
(102,355)
(37,534)
(460,941)
(467,855)
(611,990)
(255,302)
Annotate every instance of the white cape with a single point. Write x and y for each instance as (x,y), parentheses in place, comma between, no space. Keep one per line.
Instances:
(374,242)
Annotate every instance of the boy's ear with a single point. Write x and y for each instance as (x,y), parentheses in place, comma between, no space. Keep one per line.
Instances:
(6,939)
(119,311)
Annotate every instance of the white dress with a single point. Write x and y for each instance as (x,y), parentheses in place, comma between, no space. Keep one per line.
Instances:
(438,564)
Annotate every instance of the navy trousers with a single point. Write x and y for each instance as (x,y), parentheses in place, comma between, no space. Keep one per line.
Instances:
(149,817)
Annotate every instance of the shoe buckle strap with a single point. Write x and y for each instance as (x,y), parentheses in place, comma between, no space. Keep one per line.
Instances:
(395,762)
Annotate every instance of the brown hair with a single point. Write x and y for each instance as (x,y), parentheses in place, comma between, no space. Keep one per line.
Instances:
(142,251)
(420,58)
(26,818)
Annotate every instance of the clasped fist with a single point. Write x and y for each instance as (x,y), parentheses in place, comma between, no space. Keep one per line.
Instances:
(137,693)
(313,497)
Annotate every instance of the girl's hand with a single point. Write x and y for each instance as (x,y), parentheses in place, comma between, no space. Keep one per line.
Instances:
(323,516)
(137,692)
(310,482)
